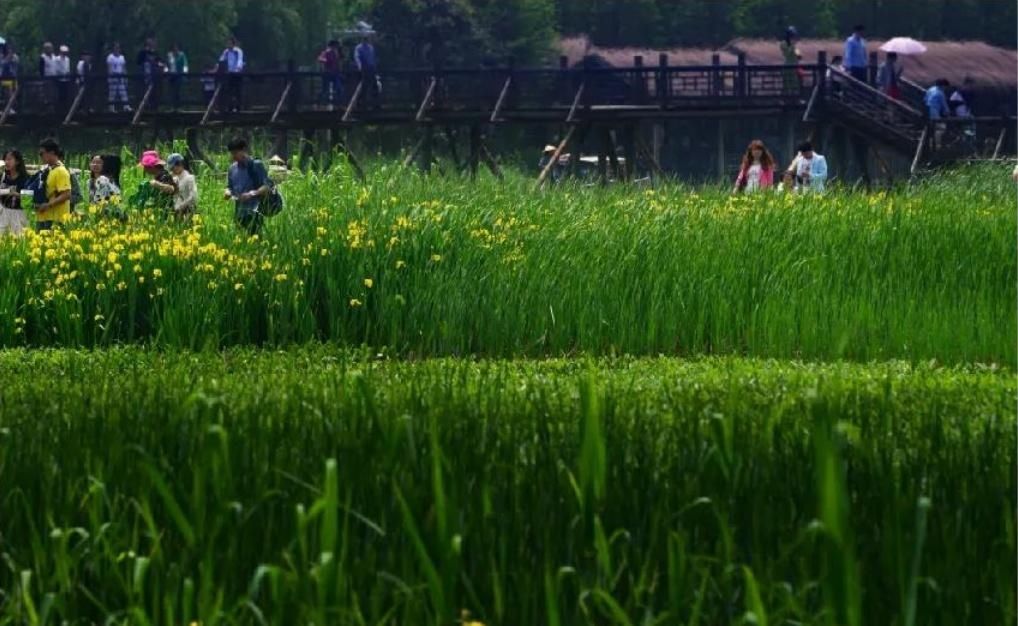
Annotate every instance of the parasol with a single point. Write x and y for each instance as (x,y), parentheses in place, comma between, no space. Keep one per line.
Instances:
(903,46)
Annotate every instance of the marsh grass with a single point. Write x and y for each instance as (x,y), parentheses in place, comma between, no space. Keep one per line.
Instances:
(442,267)
(319,486)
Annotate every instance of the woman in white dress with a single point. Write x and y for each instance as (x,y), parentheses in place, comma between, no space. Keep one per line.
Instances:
(13,220)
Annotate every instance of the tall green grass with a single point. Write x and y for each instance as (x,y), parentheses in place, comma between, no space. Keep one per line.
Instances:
(146,488)
(439,266)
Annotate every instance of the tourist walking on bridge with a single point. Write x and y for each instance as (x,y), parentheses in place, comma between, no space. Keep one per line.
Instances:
(10,68)
(367,64)
(47,61)
(856,58)
(63,68)
(233,60)
(152,69)
(331,62)
(889,76)
(177,67)
(937,108)
(116,68)
(790,54)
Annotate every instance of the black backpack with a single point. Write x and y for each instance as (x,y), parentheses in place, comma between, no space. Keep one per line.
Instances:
(271,205)
(76,195)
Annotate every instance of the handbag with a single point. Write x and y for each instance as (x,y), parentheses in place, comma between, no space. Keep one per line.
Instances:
(272,204)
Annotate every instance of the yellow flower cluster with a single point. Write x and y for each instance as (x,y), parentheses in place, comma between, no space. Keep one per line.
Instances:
(143,258)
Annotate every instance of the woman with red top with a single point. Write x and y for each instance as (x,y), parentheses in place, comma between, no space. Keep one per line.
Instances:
(757,171)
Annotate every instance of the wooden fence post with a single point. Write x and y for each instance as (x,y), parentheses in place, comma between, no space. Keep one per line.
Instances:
(291,69)
(822,69)
(742,89)
(662,78)
(639,79)
(715,78)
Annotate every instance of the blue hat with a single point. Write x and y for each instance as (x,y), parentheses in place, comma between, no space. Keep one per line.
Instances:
(792,32)
(174,160)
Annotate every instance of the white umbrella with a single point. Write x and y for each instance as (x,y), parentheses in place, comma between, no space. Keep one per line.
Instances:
(360,29)
(903,45)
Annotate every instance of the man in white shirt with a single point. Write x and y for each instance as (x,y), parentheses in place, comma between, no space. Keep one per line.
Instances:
(47,61)
(63,74)
(116,67)
(810,170)
(233,59)
(63,62)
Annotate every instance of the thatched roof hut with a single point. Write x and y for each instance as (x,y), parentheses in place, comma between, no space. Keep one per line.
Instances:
(994,70)
(576,49)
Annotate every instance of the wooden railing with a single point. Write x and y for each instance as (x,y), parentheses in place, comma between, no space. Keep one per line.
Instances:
(414,94)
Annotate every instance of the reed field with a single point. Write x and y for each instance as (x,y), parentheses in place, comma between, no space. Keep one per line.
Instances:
(423,401)
(440,267)
(315,486)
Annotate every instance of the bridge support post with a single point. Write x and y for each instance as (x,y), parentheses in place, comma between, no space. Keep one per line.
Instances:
(473,161)
(341,143)
(721,149)
(657,141)
(428,149)
(307,148)
(861,149)
(613,154)
(790,139)
(194,151)
(629,135)
(450,138)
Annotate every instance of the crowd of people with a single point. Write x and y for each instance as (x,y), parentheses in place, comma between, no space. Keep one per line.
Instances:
(153,70)
(942,100)
(168,190)
(365,61)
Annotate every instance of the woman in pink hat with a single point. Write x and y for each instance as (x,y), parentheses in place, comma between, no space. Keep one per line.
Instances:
(156,192)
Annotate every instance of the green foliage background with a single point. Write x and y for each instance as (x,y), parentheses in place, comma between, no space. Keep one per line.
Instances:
(458,32)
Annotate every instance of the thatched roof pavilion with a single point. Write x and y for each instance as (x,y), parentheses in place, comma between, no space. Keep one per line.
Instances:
(994,69)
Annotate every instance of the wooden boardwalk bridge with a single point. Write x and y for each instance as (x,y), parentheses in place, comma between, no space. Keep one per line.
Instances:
(607,104)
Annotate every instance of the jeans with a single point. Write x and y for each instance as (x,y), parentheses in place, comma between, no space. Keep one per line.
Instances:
(175,84)
(860,73)
(64,94)
(249,219)
(332,88)
(118,91)
(370,90)
(234,84)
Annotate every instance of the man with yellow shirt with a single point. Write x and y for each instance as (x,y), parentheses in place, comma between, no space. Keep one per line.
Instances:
(57,207)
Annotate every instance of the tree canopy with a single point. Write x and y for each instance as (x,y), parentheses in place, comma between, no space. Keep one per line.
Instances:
(472,32)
